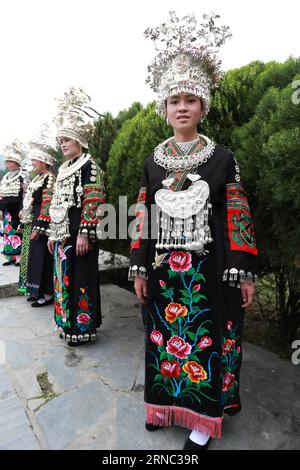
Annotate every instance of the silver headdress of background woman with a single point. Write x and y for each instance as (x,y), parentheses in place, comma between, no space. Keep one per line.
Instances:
(14,151)
(75,116)
(187,60)
(42,146)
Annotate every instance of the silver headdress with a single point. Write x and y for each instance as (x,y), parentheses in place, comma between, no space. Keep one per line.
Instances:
(75,117)
(42,147)
(14,152)
(187,60)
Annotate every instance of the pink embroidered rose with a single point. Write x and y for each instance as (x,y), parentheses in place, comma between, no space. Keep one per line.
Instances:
(157,337)
(61,254)
(6,240)
(205,342)
(229,325)
(174,311)
(8,228)
(238,349)
(162,283)
(170,369)
(228,381)
(83,318)
(8,216)
(197,288)
(180,261)
(178,347)
(15,241)
(66,280)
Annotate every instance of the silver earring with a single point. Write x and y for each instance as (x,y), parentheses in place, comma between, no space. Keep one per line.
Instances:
(167,121)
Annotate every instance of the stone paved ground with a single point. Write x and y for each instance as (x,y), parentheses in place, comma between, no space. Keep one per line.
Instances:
(97,399)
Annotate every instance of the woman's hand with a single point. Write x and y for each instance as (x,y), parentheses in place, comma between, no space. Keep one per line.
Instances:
(1,215)
(247,291)
(141,289)
(51,245)
(34,235)
(20,214)
(82,245)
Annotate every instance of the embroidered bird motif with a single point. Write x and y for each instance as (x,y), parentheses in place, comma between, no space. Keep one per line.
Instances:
(158,260)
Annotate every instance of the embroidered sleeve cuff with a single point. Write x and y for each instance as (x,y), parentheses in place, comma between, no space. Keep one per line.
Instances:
(42,227)
(135,271)
(234,277)
(88,230)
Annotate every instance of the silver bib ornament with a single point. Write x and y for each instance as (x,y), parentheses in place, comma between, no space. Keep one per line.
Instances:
(183,218)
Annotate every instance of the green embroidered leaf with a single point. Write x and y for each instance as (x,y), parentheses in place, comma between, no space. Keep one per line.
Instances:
(194,358)
(204,384)
(196,309)
(191,272)
(191,335)
(198,297)
(202,331)
(185,300)
(165,294)
(163,356)
(172,273)
(185,292)
(200,277)
(158,378)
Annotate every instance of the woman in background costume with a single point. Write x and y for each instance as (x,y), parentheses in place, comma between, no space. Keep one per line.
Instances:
(35,212)
(197,276)
(73,240)
(11,201)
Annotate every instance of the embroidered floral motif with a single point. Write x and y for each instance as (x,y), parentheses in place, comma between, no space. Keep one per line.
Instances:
(12,241)
(157,337)
(170,369)
(92,198)
(173,311)
(204,343)
(180,261)
(84,319)
(229,362)
(228,382)
(178,367)
(195,371)
(239,221)
(47,195)
(139,220)
(61,283)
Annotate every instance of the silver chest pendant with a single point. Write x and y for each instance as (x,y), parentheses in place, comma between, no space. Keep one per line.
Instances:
(183,218)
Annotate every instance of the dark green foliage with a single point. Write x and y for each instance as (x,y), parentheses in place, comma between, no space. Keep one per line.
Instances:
(268,150)
(134,143)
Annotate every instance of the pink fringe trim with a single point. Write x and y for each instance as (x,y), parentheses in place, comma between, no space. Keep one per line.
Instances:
(168,415)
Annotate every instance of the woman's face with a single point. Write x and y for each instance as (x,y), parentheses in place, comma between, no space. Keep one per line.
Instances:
(12,166)
(38,166)
(70,148)
(184,111)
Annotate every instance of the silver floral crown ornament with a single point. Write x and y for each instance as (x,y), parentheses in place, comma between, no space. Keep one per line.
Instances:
(75,117)
(14,152)
(42,146)
(187,59)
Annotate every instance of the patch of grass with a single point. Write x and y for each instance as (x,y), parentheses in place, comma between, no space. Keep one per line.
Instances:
(45,386)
